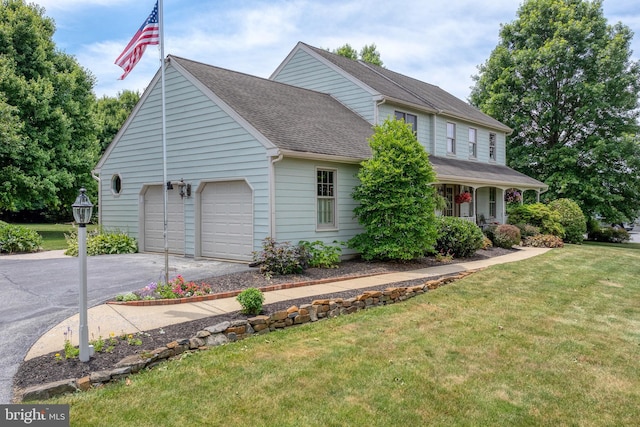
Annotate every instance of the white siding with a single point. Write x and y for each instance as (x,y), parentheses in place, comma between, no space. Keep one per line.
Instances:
(203,144)
(303,70)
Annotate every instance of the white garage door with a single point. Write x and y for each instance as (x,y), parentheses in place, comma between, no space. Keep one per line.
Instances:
(227,220)
(154,220)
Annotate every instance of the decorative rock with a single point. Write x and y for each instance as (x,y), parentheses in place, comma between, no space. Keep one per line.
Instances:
(258,320)
(84,383)
(279,315)
(203,334)
(260,327)
(194,343)
(320,302)
(45,391)
(163,353)
(135,362)
(120,373)
(292,309)
(172,344)
(302,319)
(220,327)
(216,340)
(238,330)
(100,376)
(231,336)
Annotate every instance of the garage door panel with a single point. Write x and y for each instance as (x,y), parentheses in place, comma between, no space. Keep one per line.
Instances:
(227,220)
(154,220)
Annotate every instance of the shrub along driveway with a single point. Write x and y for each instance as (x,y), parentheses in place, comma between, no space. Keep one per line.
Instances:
(40,290)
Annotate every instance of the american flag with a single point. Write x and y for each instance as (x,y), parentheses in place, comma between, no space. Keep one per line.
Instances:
(148,33)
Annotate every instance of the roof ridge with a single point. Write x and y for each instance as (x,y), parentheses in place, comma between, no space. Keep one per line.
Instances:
(426,101)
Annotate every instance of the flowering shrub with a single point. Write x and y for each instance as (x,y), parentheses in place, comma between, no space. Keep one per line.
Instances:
(543,241)
(506,236)
(176,288)
(512,196)
(463,197)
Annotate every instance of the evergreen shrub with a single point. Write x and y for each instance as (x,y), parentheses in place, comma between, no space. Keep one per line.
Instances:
(458,237)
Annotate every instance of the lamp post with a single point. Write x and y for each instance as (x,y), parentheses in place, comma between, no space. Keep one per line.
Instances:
(82,209)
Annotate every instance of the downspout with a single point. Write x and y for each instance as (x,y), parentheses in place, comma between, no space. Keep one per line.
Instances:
(376,113)
(272,194)
(97,178)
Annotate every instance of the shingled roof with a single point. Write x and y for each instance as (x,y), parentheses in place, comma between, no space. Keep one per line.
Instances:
(454,170)
(293,119)
(399,87)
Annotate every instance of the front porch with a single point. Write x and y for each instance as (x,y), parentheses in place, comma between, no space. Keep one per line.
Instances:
(480,204)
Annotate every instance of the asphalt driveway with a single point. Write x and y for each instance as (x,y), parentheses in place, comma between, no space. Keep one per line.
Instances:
(38,291)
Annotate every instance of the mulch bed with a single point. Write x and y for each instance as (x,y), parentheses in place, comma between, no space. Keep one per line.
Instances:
(46,368)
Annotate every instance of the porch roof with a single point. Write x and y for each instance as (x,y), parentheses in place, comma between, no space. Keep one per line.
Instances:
(478,174)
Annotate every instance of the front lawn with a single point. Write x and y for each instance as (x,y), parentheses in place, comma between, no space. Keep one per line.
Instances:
(53,234)
(552,340)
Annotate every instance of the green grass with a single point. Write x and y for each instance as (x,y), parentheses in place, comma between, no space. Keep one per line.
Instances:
(53,234)
(553,340)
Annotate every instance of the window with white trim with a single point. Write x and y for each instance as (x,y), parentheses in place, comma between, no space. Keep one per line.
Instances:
(326,198)
(473,143)
(411,119)
(492,146)
(451,138)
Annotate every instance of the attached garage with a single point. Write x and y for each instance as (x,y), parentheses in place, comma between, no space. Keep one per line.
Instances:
(154,220)
(226,220)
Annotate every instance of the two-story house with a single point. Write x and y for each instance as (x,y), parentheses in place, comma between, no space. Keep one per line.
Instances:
(249,158)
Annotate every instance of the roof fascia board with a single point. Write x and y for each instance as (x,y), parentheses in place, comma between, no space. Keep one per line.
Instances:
(452,179)
(224,106)
(320,157)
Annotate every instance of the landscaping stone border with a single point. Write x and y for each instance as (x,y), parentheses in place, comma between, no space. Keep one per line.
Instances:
(226,332)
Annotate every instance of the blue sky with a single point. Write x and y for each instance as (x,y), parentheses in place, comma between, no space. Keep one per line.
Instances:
(438,41)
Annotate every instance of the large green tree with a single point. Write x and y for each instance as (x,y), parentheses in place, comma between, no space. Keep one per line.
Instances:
(369,53)
(111,113)
(396,196)
(563,79)
(48,133)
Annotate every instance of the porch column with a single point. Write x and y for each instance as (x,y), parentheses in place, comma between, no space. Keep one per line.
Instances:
(504,207)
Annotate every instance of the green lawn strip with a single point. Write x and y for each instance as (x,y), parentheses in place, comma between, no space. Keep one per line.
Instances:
(548,341)
(53,234)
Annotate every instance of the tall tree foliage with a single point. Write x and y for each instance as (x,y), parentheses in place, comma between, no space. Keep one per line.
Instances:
(111,113)
(368,53)
(397,200)
(48,133)
(563,79)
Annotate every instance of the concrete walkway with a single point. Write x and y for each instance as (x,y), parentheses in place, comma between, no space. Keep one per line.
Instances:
(107,318)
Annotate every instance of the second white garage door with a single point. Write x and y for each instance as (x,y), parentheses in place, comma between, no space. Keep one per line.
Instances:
(226,220)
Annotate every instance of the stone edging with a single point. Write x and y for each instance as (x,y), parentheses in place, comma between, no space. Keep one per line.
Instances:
(226,332)
(231,294)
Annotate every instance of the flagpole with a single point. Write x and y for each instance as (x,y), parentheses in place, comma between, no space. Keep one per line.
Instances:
(164,144)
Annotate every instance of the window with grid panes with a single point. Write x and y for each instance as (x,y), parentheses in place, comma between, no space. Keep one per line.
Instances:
(411,119)
(451,138)
(492,146)
(473,143)
(326,198)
